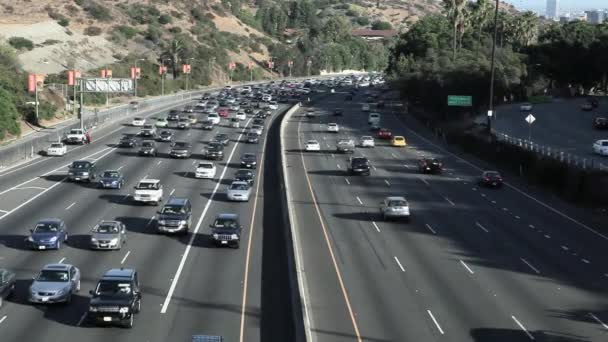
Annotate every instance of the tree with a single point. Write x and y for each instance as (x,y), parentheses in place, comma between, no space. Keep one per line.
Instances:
(456,12)
(381,25)
(175,53)
(481,14)
(336,30)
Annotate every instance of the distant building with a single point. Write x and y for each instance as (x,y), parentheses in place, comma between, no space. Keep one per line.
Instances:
(552,11)
(368,34)
(596,16)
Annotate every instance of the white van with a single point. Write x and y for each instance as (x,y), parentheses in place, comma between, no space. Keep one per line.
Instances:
(601,147)
(365,107)
(373,118)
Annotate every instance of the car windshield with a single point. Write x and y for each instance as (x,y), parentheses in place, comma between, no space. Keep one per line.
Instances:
(226,223)
(248,156)
(138,119)
(147,144)
(312,142)
(243,173)
(165,133)
(180,145)
(126,137)
(106,228)
(47,227)
(80,165)
(238,186)
(173,209)
(110,174)
(56,145)
(252,134)
(492,174)
(397,203)
(146,186)
(205,166)
(53,276)
(113,287)
(221,136)
(359,161)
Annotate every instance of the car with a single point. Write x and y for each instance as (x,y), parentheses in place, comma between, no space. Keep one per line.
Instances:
(380,104)
(601,147)
(222,138)
(310,113)
(312,146)
(235,123)
(207,125)
(173,115)
(249,160)
(235,107)
(161,122)
(252,138)
(8,281)
(374,127)
(148,131)
(116,298)
(76,136)
(57,149)
(138,122)
(345,146)
(385,134)
(111,179)
(600,123)
(398,141)
(188,109)
(48,234)
(55,283)
(267,98)
(223,112)
(175,216)
(108,235)
(193,119)
(148,148)
(333,127)
(148,191)
(395,207)
(365,107)
(259,122)
(180,149)
(273,105)
(82,170)
(214,118)
(184,123)
(367,141)
(226,230)
(491,179)
(165,136)
(359,166)
(127,140)
(525,107)
(338,112)
(241,116)
(587,107)
(205,170)
(430,165)
(238,191)
(257,129)
(214,151)
(373,118)
(244,175)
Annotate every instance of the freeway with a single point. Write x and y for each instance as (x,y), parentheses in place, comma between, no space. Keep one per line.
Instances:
(474,264)
(189,287)
(560,125)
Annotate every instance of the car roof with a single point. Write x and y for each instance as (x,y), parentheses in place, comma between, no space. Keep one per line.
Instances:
(177,200)
(239,182)
(148,180)
(227,216)
(395,198)
(119,273)
(60,267)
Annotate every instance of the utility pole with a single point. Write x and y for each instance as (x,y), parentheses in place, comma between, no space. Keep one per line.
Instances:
(492,67)
(136,74)
(36,90)
(188,73)
(81,105)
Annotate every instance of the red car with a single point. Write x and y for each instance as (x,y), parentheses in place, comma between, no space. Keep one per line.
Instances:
(223,112)
(384,133)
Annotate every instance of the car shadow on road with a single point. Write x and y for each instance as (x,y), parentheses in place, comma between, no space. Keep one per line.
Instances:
(79,241)
(117,198)
(202,240)
(359,216)
(15,242)
(55,177)
(329,173)
(140,225)
(218,197)
(511,335)
(185,174)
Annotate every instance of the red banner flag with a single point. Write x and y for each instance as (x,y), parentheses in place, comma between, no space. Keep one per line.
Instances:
(71,78)
(77,74)
(186,68)
(162,69)
(250,65)
(31,83)
(290,62)
(135,73)
(270,64)
(232,66)
(106,73)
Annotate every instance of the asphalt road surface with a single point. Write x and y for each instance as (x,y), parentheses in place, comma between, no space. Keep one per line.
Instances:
(189,287)
(474,264)
(560,125)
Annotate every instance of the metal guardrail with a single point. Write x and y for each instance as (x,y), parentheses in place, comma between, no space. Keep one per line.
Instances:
(553,152)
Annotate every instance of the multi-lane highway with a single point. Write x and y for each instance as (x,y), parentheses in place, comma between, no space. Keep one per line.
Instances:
(474,264)
(189,287)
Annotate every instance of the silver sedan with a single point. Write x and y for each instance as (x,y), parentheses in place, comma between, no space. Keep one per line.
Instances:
(108,235)
(239,191)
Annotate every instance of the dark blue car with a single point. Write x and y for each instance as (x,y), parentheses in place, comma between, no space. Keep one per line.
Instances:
(48,234)
(112,179)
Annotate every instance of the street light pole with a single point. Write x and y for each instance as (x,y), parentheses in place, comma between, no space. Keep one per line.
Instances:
(135,81)
(492,66)
(188,74)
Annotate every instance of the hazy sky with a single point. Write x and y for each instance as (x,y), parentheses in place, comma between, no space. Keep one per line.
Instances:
(565,5)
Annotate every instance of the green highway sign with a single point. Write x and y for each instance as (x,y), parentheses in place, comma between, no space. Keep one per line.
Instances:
(460,101)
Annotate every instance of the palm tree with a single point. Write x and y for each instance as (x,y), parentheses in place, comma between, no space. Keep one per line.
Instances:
(456,13)
(481,15)
(175,53)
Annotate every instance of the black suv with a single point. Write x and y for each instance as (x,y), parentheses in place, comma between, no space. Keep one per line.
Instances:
(244,175)
(116,298)
(222,138)
(127,140)
(249,160)
(215,151)
(600,123)
(173,115)
(427,165)
(175,216)
(253,138)
(165,136)
(181,149)
(81,170)
(226,230)
(359,166)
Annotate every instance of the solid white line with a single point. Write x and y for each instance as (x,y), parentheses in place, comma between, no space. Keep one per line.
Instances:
(151,219)
(69,206)
(30,188)
(387,182)
(481,227)
(347,182)
(523,328)
(358,199)
(84,315)
(452,203)
(125,258)
(467,267)
(399,263)
(195,232)
(590,314)
(376,226)
(430,228)
(31,199)
(172,191)
(435,321)
(530,265)
(3,318)
(61,260)
(3,211)
(424,181)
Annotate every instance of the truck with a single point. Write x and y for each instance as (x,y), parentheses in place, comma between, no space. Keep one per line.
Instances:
(76,136)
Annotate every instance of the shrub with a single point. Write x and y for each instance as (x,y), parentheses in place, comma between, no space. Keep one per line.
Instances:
(175,30)
(381,25)
(92,31)
(64,22)
(352,13)
(8,115)
(21,43)
(50,42)
(153,33)
(177,14)
(72,10)
(98,11)
(79,2)
(165,19)
(363,21)
(127,31)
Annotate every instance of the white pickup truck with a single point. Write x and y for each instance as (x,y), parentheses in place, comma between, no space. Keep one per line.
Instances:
(76,136)
(148,191)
